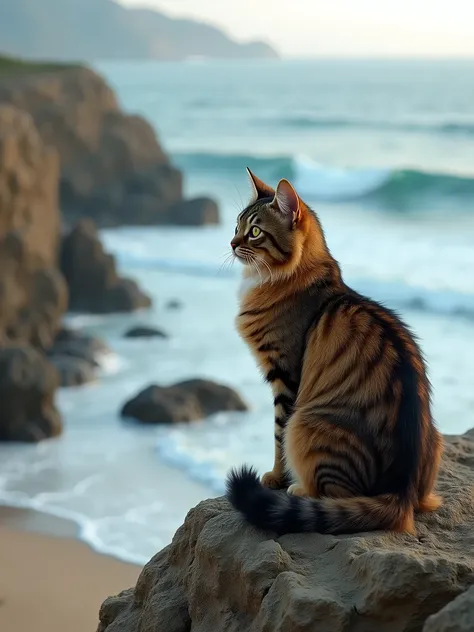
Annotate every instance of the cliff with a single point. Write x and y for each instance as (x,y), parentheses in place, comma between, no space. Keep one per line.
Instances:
(113,168)
(102,29)
(219,574)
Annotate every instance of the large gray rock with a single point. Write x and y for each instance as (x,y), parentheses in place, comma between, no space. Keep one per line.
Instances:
(457,616)
(222,575)
(91,275)
(27,386)
(186,401)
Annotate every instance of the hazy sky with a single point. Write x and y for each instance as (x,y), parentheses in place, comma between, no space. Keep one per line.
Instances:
(339,27)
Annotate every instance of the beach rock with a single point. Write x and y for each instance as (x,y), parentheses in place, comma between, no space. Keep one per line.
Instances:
(457,616)
(33,295)
(142,331)
(73,371)
(27,386)
(113,168)
(174,304)
(186,401)
(80,345)
(91,275)
(222,575)
(195,212)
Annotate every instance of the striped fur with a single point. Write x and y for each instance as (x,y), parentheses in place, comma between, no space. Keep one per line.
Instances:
(353,427)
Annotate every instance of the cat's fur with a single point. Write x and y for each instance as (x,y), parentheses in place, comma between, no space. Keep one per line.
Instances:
(353,427)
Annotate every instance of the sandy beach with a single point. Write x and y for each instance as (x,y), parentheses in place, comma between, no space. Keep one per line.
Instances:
(52,583)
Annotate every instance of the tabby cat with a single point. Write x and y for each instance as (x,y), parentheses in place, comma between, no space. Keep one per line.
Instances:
(353,428)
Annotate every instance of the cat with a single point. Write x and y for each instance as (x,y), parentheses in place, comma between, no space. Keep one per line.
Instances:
(355,443)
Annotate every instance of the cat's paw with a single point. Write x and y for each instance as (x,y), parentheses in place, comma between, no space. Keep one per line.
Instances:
(273,481)
(296,490)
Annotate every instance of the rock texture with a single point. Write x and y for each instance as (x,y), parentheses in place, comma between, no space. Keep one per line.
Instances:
(27,386)
(219,574)
(33,295)
(186,401)
(457,616)
(113,168)
(91,275)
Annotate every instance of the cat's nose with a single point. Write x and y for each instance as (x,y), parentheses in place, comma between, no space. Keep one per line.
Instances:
(233,244)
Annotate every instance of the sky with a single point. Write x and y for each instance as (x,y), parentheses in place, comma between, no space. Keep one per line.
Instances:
(339,28)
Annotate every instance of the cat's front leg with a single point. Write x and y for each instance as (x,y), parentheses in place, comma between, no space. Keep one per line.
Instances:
(278,477)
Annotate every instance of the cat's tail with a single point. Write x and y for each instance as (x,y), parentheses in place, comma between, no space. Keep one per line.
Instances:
(282,513)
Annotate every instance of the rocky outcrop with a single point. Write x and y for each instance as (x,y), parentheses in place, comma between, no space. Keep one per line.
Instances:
(91,275)
(76,357)
(457,616)
(220,574)
(33,295)
(113,168)
(27,386)
(186,401)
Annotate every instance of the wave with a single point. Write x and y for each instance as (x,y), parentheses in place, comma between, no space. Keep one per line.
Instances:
(314,122)
(400,295)
(394,188)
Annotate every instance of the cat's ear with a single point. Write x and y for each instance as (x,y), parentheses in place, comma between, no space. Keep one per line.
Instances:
(260,190)
(287,202)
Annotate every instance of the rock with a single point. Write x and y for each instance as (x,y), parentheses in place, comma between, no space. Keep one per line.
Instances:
(33,295)
(186,401)
(113,168)
(174,304)
(222,575)
(27,386)
(77,343)
(91,275)
(457,616)
(196,212)
(73,371)
(144,332)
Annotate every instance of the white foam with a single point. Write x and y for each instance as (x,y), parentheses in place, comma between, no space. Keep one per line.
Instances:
(325,183)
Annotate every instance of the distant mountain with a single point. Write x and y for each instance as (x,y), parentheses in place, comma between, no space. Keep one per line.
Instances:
(102,29)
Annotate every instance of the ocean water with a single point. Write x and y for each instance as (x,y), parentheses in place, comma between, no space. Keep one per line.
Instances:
(384,151)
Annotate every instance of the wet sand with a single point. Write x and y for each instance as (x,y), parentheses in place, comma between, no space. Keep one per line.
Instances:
(53,583)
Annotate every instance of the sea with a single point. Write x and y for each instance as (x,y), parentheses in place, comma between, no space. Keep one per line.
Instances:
(383,151)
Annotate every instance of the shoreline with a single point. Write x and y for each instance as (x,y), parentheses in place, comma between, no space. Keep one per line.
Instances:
(51,581)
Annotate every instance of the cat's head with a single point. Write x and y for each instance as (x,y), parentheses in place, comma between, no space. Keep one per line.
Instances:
(273,231)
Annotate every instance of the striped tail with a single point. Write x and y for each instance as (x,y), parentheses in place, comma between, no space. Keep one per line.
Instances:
(282,513)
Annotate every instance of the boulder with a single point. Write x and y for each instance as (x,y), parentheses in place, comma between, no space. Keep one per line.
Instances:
(80,345)
(142,331)
(222,575)
(195,212)
(113,168)
(91,275)
(73,371)
(457,616)
(27,386)
(174,304)
(33,295)
(186,401)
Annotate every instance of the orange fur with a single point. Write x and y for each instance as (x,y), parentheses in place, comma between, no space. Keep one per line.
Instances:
(353,425)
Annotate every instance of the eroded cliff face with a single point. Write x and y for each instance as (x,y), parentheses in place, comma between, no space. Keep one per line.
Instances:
(221,575)
(33,295)
(113,168)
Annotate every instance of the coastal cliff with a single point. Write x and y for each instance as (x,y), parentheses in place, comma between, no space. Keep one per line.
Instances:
(112,166)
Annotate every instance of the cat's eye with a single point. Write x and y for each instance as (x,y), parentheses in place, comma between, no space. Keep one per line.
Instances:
(255,232)
(235,231)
